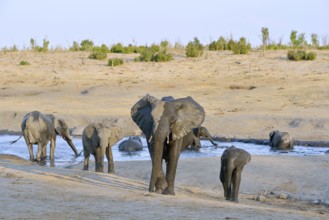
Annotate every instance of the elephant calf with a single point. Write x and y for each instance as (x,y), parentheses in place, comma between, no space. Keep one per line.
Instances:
(192,139)
(232,162)
(133,143)
(281,140)
(97,139)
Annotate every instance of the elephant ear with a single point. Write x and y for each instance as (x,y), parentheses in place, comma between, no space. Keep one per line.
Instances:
(61,128)
(189,115)
(146,113)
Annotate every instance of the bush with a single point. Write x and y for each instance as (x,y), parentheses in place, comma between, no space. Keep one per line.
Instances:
(75,46)
(86,45)
(115,62)
(98,55)
(117,48)
(300,55)
(220,44)
(194,48)
(162,56)
(154,54)
(23,62)
(241,47)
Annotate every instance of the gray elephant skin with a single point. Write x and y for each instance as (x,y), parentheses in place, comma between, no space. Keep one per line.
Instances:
(281,140)
(164,124)
(191,141)
(232,162)
(98,139)
(38,128)
(133,143)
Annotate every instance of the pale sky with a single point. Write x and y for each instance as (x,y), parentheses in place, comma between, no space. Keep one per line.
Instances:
(150,21)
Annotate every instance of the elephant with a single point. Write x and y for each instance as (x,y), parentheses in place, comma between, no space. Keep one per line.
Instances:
(232,162)
(38,128)
(133,143)
(98,139)
(281,140)
(164,124)
(192,139)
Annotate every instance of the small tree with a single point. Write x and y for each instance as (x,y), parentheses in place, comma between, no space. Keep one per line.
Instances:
(32,42)
(299,41)
(86,45)
(194,48)
(315,40)
(45,45)
(265,37)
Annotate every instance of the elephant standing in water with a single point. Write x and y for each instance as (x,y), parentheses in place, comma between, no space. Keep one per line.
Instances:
(232,162)
(39,129)
(164,124)
(281,140)
(133,143)
(98,139)
(192,139)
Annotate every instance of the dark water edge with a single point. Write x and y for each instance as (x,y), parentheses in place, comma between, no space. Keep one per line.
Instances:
(266,141)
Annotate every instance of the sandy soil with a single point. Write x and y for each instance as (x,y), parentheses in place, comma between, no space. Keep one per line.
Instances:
(244,96)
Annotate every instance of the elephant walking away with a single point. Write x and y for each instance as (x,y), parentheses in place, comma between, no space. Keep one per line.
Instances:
(98,139)
(281,140)
(232,162)
(191,141)
(164,124)
(133,143)
(38,128)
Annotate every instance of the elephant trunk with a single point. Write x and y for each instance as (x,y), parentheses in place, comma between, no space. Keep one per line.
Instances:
(69,141)
(208,136)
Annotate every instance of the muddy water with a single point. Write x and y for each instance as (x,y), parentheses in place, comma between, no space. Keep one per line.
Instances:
(64,155)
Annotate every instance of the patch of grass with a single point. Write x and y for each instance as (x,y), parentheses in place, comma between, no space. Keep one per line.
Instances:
(97,55)
(115,62)
(300,55)
(23,63)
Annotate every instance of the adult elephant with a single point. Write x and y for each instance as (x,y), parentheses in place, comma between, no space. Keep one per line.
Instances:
(98,139)
(38,128)
(164,124)
(192,139)
(232,162)
(281,140)
(133,143)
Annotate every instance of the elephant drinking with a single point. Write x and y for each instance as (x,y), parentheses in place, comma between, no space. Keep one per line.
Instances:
(38,128)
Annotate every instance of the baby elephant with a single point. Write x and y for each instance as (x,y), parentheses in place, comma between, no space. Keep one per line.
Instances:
(133,143)
(232,162)
(97,139)
(281,140)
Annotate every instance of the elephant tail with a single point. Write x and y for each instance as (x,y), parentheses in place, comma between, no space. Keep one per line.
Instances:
(13,142)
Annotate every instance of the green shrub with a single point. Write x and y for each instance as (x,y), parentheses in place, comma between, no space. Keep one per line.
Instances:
(220,44)
(98,55)
(162,56)
(194,48)
(102,49)
(23,63)
(117,48)
(86,45)
(241,47)
(115,62)
(300,55)
(75,46)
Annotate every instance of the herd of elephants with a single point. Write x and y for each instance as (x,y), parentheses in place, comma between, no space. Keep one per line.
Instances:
(169,126)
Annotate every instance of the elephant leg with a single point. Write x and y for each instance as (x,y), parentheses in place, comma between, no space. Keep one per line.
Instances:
(40,147)
(99,159)
(44,153)
(236,179)
(30,147)
(52,148)
(109,156)
(226,178)
(174,153)
(86,161)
